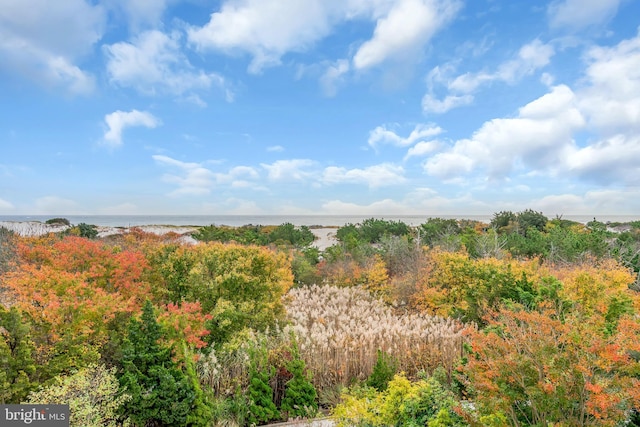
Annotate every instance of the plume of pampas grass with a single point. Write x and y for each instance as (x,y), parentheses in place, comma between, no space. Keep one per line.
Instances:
(339,331)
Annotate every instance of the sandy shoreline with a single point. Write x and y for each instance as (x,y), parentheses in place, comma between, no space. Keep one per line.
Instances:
(325,236)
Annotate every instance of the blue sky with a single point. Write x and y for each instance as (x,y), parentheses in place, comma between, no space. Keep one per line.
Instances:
(363,107)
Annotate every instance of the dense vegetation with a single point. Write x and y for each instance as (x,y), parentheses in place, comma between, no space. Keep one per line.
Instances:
(523,321)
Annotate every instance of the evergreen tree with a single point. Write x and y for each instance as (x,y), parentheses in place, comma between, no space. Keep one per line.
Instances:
(300,397)
(161,393)
(201,413)
(261,406)
(383,371)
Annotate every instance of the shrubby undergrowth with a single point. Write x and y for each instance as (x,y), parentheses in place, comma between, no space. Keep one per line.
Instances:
(525,321)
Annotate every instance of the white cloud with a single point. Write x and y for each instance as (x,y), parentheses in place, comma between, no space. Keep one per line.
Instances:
(376,176)
(240,176)
(614,160)
(118,121)
(539,137)
(275,148)
(611,97)
(405,30)
(41,42)
(431,104)
(153,63)
(422,149)
(193,178)
(382,135)
(334,76)
(266,29)
(595,202)
(579,14)
(452,165)
(269,29)
(530,58)
(61,71)
(420,201)
(290,170)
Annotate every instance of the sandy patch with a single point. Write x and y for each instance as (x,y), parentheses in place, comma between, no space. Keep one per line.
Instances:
(36,228)
(32,228)
(326,236)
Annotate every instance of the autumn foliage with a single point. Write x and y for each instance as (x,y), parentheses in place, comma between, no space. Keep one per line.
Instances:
(526,324)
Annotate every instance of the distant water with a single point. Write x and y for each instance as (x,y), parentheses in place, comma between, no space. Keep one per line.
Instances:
(298,220)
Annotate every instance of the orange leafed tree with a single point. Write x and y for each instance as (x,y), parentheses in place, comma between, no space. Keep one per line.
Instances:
(75,285)
(539,370)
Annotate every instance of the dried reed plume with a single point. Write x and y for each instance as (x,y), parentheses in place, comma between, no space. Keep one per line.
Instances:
(339,331)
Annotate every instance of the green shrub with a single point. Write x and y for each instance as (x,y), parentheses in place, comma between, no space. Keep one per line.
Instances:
(300,397)
(88,231)
(92,394)
(383,371)
(403,403)
(261,406)
(58,221)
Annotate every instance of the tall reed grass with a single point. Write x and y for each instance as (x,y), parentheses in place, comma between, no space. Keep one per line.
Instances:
(340,330)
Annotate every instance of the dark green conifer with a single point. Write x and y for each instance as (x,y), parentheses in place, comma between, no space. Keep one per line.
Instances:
(300,397)
(161,393)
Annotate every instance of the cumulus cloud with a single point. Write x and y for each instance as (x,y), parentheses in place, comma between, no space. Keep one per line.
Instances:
(383,135)
(376,176)
(269,29)
(613,160)
(545,136)
(290,170)
(610,100)
(405,30)
(266,29)
(422,149)
(118,121)
(576,15)
(530,58)
(154,64)
(42,43)
(192,178)
(539,137)
(611,95)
